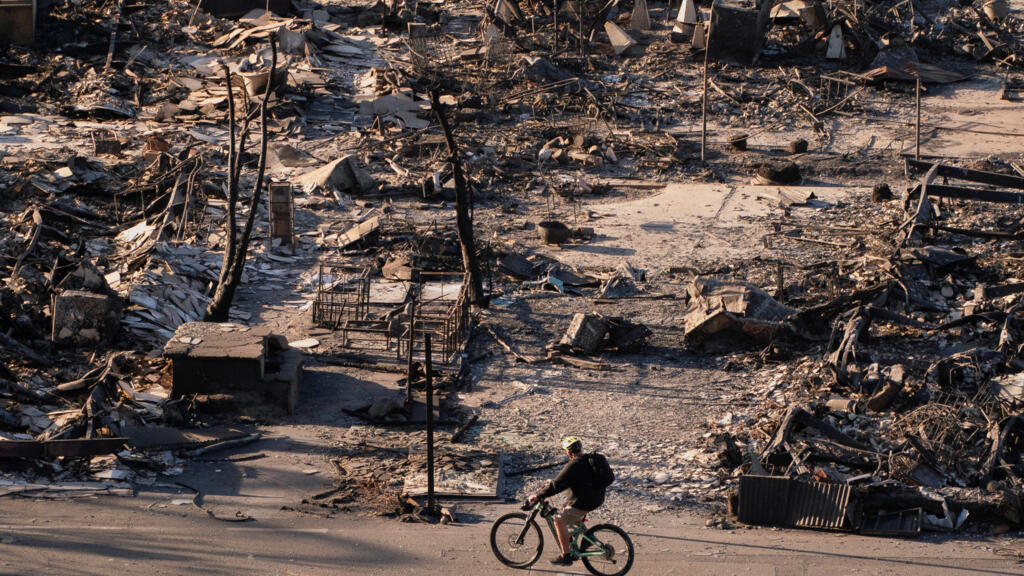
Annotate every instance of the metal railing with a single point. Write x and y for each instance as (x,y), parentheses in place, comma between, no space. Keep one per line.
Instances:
(447,321)
(342,296)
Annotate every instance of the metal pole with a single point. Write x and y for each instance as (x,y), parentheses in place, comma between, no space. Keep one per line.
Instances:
(704,97)
(430,423)
(917,149)
(412,342)
(704,109)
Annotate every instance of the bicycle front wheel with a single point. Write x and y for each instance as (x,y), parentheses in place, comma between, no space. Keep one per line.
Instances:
(616,547)
(516,543)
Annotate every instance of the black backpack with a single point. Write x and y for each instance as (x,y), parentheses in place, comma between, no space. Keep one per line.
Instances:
(603,475)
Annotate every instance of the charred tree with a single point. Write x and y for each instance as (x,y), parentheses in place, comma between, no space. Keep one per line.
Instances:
(238,246)
(463,220)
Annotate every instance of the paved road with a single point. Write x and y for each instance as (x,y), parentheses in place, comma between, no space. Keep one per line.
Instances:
(151,534)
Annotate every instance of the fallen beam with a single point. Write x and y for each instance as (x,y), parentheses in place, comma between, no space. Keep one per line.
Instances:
(958,192)
(993,178)
(994,292)
(975,233)
(55,448)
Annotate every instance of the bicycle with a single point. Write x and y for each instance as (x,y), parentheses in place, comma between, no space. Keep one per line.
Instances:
(603,548)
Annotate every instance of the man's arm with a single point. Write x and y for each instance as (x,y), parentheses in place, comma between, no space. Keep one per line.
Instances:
(560,483)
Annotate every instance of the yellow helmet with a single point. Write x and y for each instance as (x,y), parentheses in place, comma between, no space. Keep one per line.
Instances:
(572,444)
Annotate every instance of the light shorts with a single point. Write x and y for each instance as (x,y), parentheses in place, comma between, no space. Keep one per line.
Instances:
(571,515)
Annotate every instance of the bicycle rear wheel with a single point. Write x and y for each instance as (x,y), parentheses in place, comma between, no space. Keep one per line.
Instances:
(505,542)
(618,550)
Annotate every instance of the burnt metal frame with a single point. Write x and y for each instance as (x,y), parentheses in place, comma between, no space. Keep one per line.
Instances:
(346,308)
(336,306)
(835,87)
(448,325)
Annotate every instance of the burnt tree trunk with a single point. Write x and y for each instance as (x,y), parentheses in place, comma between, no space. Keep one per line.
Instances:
(463,221)
(238,247)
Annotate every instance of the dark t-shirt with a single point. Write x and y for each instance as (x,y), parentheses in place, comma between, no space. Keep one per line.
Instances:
(578,476)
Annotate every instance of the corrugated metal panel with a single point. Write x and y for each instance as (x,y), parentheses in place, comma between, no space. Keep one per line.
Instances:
(819,504)
(764,500)
(17,22)
(781,501)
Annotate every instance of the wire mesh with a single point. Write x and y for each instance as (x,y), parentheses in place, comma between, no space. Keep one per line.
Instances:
(433,55)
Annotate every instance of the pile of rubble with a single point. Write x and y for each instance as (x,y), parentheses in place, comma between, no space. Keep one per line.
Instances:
(911,407)
(118,202)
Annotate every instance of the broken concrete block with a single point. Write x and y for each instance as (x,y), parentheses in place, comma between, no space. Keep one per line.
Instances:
(699,41)
(252,365)
(626,336)
(81,317)
(621,41)
(640,19)
(586,333)
(687,13)
(343,174)
(732,314)
(836,44)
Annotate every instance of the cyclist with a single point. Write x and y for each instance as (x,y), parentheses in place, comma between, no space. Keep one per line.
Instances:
(587,494)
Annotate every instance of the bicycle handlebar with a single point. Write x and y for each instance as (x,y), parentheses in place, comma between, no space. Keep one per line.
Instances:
(543,506)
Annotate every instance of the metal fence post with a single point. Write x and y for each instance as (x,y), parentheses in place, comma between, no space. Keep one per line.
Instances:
(412,342)
(430,423)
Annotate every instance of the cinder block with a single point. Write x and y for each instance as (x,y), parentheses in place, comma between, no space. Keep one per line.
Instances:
(586,332)
(81,317)
(249,364)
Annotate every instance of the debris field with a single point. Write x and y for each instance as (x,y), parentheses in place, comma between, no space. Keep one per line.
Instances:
(768,257)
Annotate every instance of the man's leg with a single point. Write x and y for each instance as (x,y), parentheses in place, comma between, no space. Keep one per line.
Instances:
(563,519)
(562,530)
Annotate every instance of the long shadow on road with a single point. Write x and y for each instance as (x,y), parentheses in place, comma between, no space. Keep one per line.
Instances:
(838,555)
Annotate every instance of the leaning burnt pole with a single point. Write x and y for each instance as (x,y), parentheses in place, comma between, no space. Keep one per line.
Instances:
(463,221)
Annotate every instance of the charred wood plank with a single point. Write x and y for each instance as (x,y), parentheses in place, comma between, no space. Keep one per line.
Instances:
(961,193)
(993,178)
(55,448)
(996,292)
(977,233)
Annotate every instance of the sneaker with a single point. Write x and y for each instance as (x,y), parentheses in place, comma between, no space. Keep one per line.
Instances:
(562,561)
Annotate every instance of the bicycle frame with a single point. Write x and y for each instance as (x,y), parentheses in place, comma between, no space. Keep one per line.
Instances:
(576,532)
